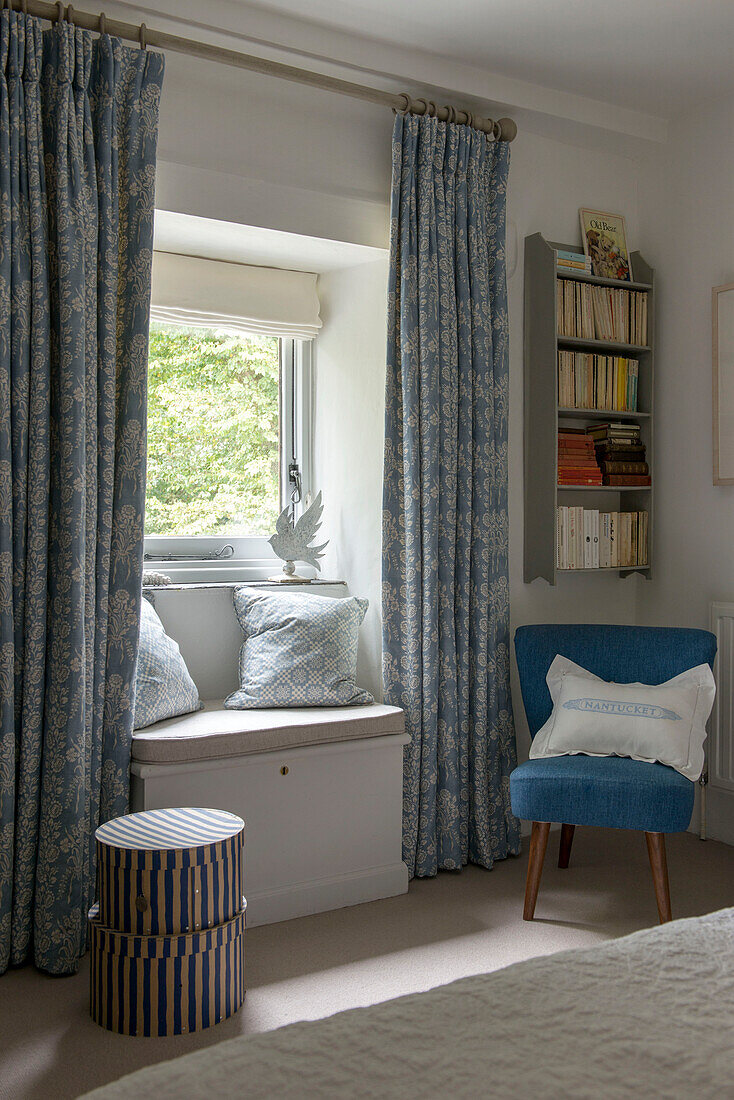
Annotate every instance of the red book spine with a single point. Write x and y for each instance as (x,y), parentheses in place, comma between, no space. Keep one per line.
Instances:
(626,479)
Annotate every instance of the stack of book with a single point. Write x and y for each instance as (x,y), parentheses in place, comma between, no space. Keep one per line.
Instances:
(577,463)
(620,453)
(573,261)
(589,539)
(601,313)
(597,381)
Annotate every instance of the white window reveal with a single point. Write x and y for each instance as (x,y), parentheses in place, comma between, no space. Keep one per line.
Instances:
(229,414)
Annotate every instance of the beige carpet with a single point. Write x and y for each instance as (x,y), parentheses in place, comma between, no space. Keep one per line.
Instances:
(444,928)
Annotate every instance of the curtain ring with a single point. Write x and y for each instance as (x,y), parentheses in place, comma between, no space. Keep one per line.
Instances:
(70,14)
(143,32)
(431,109)
(496,131)
(405,106)
(469,119)
(59,12)
(102,23)
(24,7)
(415,107)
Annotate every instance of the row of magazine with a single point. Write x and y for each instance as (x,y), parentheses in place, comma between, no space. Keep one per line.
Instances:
(587,538)
(597,381)
(601,313)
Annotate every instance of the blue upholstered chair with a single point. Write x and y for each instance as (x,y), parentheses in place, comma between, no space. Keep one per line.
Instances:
(615,792)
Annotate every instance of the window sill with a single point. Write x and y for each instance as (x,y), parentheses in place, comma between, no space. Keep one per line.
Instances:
(189,586)
(207,571)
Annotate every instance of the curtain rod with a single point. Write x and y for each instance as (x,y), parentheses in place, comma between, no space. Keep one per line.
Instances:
(503,129)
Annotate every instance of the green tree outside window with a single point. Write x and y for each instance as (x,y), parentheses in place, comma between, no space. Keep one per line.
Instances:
(213,432)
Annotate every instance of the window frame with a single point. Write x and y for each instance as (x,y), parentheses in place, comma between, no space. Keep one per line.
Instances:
(252,557)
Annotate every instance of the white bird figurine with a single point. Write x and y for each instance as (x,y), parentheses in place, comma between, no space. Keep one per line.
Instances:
(291,543)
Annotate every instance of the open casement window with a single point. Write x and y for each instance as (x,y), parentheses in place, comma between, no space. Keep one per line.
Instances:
(229,415)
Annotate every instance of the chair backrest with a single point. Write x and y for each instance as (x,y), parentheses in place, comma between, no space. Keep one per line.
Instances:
(625,654)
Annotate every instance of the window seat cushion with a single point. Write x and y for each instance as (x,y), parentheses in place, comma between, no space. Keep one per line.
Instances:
(215,733)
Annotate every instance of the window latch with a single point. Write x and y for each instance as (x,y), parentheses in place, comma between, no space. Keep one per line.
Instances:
(294,477)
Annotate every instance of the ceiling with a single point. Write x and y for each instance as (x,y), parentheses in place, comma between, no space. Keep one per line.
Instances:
(657,56)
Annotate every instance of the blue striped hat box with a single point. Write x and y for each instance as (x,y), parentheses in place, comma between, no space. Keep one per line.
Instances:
(166,985)
(171,871)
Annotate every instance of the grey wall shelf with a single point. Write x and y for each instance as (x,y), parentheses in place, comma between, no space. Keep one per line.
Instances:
(599,414)
(599,345)
(543,416)
(596,280)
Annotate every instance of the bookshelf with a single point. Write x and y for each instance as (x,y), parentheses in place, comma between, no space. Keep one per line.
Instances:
(544,416)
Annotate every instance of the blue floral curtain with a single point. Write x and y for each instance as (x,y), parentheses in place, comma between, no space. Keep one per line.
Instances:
(445,576)
(78,128)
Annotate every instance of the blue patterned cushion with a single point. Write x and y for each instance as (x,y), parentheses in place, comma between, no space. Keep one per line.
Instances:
(299,650)
(163,687)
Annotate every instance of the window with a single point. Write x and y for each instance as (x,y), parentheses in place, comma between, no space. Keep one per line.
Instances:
(228,446)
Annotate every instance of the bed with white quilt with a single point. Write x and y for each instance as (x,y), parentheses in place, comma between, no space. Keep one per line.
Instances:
(649,1015)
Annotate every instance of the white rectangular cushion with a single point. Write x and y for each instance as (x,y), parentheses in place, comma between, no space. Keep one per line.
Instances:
(215,733)
(663,723)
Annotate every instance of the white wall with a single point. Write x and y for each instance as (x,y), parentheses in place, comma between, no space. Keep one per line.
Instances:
(688,214)
(241,147)
(349,427)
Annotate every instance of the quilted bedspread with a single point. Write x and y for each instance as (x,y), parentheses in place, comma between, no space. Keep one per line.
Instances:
(650,1015)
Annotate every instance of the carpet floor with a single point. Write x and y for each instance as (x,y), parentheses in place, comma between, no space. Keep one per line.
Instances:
(444,928)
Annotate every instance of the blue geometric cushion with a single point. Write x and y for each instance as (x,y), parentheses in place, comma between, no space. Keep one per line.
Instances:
(299,650)
(614,792)
(163,687)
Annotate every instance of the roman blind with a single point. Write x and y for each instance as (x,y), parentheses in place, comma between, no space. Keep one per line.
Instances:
(187,290)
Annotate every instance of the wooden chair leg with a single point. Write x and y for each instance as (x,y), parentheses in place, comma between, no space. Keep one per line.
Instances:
(659,866)
(538,842)
(564,853)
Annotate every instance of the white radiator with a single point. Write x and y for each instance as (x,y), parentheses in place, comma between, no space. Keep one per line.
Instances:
(721,730)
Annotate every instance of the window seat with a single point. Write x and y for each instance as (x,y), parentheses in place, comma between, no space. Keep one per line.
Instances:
(215,733)
(319,789)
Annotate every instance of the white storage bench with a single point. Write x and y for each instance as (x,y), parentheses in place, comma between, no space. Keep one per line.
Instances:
(320,791)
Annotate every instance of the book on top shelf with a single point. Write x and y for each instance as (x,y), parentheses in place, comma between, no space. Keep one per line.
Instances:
(574,261)
(605,243)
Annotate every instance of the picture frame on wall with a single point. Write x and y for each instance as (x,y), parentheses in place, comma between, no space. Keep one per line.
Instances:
(722,315)
(605,242)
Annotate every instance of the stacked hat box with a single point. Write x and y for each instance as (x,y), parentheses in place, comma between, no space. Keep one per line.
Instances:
(167,934)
